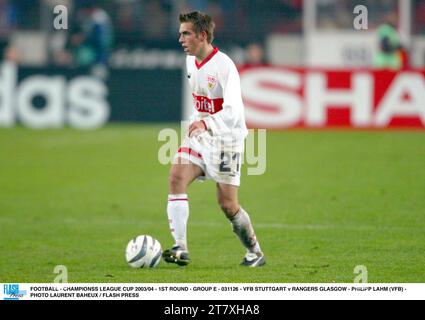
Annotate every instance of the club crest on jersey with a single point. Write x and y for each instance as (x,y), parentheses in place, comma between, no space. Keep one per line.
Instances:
(211,82)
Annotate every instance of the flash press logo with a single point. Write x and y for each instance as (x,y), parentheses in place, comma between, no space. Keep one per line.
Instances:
(12,292)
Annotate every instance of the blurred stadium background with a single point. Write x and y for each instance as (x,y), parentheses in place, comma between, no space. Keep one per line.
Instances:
(135,41)
(99,91)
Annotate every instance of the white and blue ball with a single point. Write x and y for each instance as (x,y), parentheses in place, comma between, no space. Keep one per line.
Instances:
(143,252)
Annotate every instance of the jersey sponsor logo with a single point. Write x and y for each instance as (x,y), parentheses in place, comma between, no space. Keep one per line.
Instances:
(204,104)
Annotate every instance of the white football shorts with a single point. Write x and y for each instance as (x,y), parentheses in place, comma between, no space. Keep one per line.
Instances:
(219,163)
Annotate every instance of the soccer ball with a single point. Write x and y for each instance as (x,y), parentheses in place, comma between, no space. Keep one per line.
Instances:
(143,251)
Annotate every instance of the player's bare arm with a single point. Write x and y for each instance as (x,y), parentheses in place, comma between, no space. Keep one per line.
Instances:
(197,125)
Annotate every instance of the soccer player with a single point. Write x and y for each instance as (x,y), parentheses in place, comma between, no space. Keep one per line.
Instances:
(214,145)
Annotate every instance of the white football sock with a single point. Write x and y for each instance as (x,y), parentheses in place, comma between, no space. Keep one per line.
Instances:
(242,226)
(178,214)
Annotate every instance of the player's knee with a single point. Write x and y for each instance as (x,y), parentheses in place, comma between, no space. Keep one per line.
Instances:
(230,208)
(176,180)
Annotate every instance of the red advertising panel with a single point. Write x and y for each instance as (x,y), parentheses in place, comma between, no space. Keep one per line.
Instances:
(281,97)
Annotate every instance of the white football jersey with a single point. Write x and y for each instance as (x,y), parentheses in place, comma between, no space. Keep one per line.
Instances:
(217,99)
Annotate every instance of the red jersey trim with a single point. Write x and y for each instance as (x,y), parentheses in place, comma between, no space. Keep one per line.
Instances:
(190,152)
(199,65)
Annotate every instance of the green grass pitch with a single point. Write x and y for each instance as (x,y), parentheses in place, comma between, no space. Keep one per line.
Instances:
(328,202)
